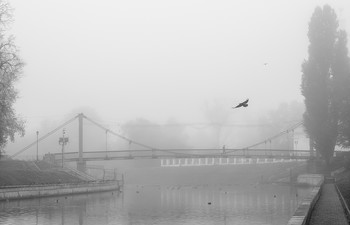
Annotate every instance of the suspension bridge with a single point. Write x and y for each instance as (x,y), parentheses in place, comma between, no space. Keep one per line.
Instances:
(169,156)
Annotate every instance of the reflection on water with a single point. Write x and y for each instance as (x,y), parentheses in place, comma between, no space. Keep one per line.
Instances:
(265,204)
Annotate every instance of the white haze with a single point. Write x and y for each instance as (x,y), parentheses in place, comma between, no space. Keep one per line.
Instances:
(160,59)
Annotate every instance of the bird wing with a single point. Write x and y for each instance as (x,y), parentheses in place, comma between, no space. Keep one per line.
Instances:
(245,104)
(239,105)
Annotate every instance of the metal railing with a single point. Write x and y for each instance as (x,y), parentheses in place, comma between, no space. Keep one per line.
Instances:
(184,153)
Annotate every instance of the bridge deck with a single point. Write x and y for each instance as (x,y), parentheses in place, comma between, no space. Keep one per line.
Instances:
(184,154)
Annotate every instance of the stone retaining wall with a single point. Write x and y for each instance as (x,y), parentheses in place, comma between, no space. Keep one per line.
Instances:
(309,179)
(20,192)
(303,212)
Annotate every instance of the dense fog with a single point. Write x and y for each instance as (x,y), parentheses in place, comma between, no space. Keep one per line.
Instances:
(165,74)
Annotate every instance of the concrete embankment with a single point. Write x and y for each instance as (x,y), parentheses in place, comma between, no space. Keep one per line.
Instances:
(303,212)
(30,191)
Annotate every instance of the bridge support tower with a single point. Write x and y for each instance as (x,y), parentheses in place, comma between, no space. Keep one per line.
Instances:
(81,164)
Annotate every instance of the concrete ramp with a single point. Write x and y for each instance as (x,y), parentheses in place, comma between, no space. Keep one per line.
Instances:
(310,179)
(81,175)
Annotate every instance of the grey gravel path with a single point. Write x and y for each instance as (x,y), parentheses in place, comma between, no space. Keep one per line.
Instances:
(328,209)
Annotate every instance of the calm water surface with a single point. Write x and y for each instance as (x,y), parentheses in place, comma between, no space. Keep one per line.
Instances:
(249,205)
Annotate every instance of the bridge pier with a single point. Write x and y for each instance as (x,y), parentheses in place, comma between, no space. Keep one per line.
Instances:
(81,166)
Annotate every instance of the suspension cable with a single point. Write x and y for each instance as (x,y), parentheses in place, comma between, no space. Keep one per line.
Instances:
(118,135)
(43,137)
(135,142)
(274,137)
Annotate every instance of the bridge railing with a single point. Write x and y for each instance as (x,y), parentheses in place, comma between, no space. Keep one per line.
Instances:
(183,153)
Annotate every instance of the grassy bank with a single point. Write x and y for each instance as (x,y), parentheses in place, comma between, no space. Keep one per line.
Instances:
(16,172)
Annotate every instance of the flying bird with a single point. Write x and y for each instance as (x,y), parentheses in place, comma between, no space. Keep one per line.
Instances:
(244,104)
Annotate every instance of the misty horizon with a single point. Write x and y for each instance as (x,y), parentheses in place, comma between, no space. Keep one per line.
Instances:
(157,61)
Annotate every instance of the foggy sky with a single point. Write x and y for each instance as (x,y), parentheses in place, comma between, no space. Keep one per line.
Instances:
(160,59)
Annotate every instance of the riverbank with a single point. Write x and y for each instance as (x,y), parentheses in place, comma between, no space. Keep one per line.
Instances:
(304,211)
(36,191)
(33,179)
(18,172)
(326,205)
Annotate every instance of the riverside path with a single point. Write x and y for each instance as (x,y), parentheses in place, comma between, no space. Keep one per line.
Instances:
(328,209)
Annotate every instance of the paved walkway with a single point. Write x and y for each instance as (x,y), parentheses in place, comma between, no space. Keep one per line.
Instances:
(328,209)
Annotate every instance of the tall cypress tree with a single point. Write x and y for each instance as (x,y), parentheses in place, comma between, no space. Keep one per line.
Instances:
(341,71)
(319,118)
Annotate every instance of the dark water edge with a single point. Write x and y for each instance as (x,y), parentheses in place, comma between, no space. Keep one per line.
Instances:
(177,196)
(162,204)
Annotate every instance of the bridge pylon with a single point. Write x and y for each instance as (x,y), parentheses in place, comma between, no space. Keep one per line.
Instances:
(81,164)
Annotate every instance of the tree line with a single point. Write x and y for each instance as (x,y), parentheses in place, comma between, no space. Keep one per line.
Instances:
(326,84)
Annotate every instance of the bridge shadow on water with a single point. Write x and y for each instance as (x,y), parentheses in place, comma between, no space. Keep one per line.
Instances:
(213,175)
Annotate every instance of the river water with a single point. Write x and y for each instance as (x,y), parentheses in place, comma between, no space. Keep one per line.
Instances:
(154,204)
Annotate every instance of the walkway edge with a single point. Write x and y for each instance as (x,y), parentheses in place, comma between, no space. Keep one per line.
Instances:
(303,213)
(344,204)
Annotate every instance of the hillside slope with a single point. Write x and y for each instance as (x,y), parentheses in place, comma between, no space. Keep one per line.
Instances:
(16,172)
